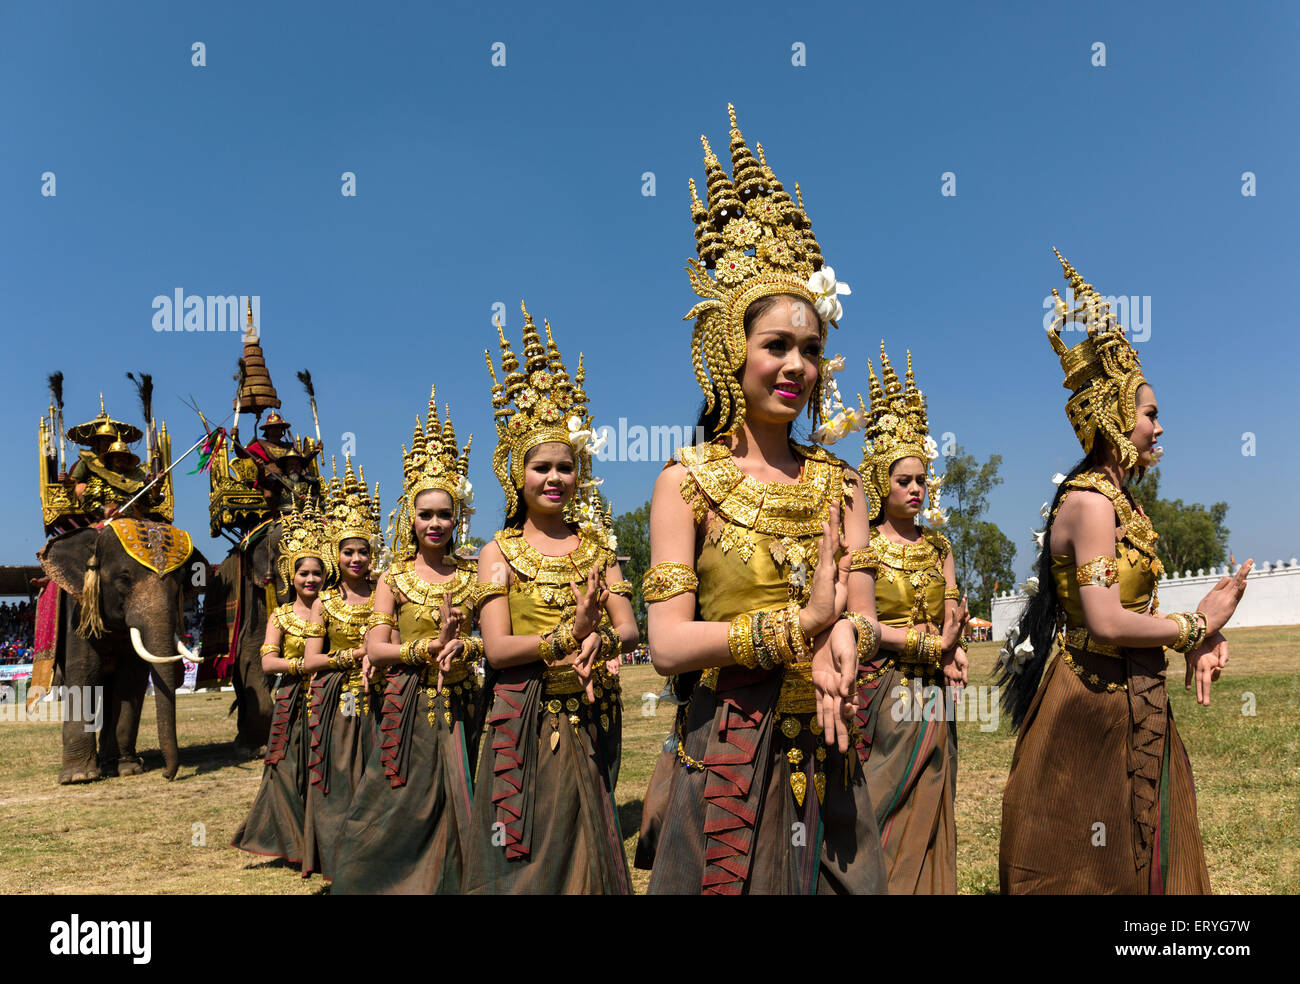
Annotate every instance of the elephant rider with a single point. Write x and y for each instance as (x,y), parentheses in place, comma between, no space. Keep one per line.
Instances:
(106,481)
(282,475)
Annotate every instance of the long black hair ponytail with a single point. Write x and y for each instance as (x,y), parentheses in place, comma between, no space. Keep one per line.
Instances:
(1038,621)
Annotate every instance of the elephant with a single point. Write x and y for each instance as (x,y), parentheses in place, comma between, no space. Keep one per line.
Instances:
(133,630)
(235,614)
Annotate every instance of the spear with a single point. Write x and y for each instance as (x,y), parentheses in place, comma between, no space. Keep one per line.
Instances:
(304,377)
(240,373)
(160,477)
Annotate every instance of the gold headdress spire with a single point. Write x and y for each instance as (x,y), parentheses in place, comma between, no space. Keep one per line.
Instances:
(1102,372)
(752,242)
(897,428)
(302,535)
(538,405)
(434,462)
(350,512)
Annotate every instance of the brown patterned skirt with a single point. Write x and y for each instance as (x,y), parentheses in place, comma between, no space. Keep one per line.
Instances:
(544,816)
(274,826)
(407,827)
(1100,799)
(340,742)
(910,756)
(740,820)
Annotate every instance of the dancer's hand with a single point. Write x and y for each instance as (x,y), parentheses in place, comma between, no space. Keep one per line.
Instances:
(1204,664)
(830,582)
(955,667)
(834,677)
(587,618)
(1222,600)
(954,627)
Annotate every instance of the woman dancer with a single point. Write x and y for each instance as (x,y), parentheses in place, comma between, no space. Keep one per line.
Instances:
(750,570)
(342,729)
(275,823)
(908,741)
(1100,797)
(557,610)
(407,827)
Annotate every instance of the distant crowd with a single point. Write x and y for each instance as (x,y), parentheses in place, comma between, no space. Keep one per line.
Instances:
(16,628)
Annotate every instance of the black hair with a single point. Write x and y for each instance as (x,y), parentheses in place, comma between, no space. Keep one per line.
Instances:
(709,423)
(1038,621)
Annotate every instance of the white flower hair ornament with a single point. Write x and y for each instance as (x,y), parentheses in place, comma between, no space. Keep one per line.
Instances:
(838,421)
(824,288)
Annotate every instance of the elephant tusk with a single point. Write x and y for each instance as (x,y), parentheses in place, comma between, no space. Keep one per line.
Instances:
(185,653)
(138,645)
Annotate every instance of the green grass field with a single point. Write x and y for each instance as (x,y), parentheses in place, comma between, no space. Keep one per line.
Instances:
(145,835)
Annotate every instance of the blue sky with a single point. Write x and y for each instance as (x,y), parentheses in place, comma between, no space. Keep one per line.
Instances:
(479,184)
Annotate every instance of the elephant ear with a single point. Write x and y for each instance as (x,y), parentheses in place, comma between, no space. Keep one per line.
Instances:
(64,558)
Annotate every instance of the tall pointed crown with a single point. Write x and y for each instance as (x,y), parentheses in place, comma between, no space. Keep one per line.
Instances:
(1102,372)
(258,392)
(897,428)
(302,535)
(434,462)
(536,404)
(753,241)
(350,512)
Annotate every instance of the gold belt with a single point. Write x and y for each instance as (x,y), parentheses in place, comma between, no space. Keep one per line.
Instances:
(457,674)
(797,693)
(1079,637)
(562,680)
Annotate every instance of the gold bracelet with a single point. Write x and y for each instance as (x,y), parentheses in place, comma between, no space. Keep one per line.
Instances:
(781,635)
(797,634)
(769,653)
(564,639)
(332,663)
(413,658)
(740,641)
(868,641)
(473,648)
(545,649)
(910,643)
(1101,571)
(268,648)
(664,581)
(952,594)
(611,643)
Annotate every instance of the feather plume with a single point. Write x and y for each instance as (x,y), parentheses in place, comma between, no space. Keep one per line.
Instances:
(304,377)
(56,388)
(144,389)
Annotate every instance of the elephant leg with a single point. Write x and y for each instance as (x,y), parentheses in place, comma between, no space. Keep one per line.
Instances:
(130,682)
(165,681)
(81,669)
(253,693)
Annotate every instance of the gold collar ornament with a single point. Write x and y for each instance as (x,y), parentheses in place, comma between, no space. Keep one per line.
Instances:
(434,462)
(757,242)
(897,428)
(302,535)
(1102,372)
(351,512)
(540,405)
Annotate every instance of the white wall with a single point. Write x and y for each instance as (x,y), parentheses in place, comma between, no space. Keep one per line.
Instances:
(1272,596)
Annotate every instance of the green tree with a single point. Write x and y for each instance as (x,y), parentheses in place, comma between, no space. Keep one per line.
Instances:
(633,532)
(982,554)
(475,543)
(1191,536)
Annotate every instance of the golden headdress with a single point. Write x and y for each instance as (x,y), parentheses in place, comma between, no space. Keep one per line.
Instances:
(302,535)
(350,512)
(434,462)
(897,428)
(1102,372)
(757,242)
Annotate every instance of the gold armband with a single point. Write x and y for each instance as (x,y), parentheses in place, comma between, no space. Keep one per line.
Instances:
(268,648)
(664,581)
(623,588)
(864,559)
(740,641)
(868,641)
(490,589)
(380,618)
(1101,571)
(545,649)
